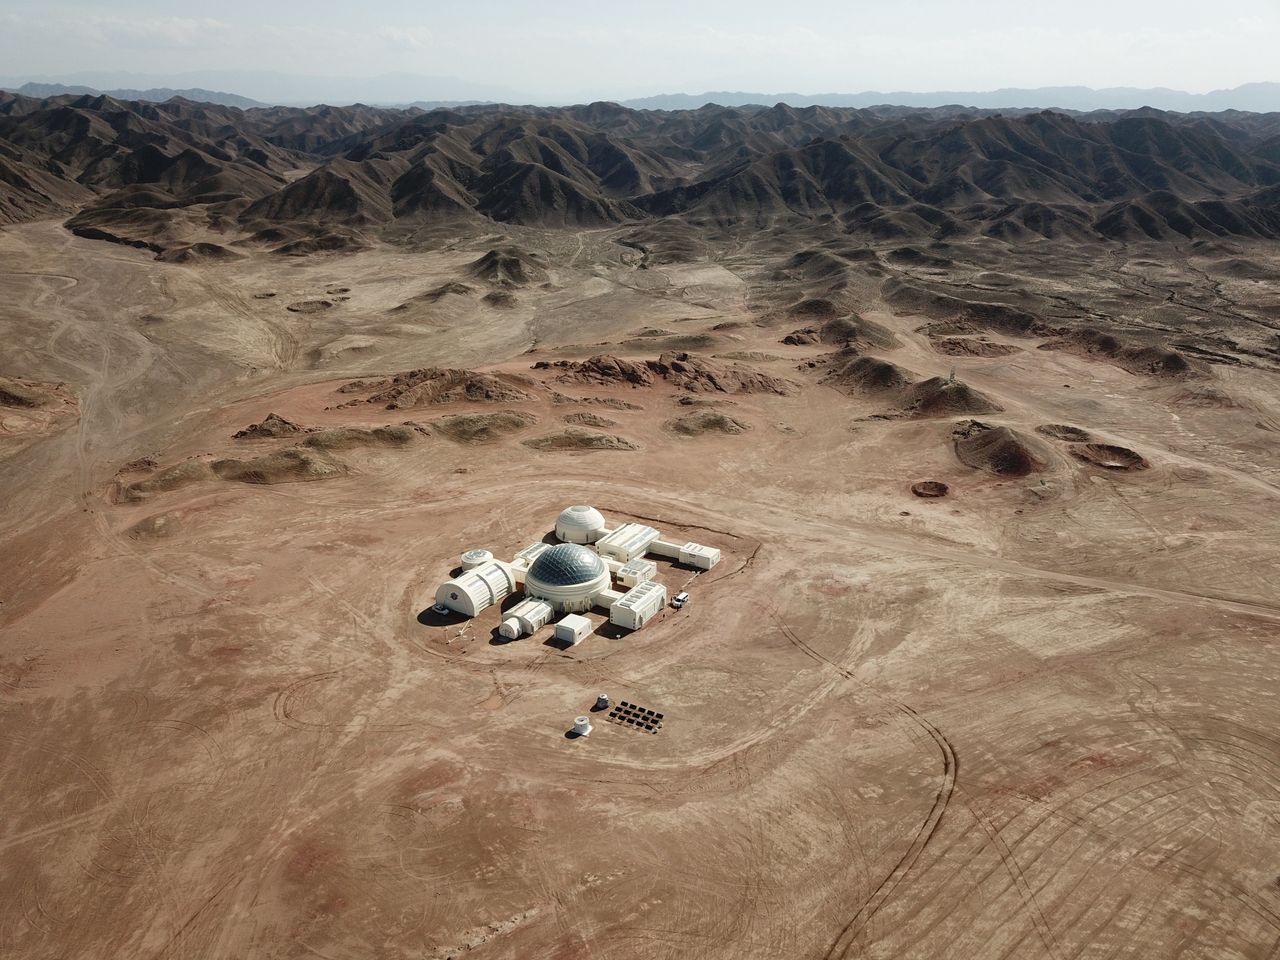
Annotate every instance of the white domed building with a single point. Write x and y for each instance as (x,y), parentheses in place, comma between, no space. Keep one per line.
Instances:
(568,576)
(580,524)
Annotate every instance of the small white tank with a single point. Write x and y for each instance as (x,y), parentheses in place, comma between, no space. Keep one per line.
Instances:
(474,558)
(602,701)
(510,628)
(582,726)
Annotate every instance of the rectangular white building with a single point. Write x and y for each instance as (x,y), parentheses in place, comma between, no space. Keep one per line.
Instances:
(573,628)
(636,571)
(627,542)
(638,605)
(696,555)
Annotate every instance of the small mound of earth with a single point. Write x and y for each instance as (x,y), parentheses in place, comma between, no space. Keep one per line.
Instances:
(840,330)
(432,385)
(585,419)
(687,341)
(1208,397)
(1062,431)
(684,400)
(199,253)
(706,421)
(802,337)
(749,356)
(998,450)
(1109,456)
(817,308)
(577,439)
(613,403)
(452,288)
(850,370)
(687,371)
(483,427)
(930,489)
(603,369)
(325,243)
(140,465)
(309,306)
(155,527)
(294,465)
(434,295)
(501,299)
(507,266)
(1154,361)
(910,256)
(940,397)
(361,386)
(698,374)
(973,347)
(171,478)
(272,426)
(15,393)
(344,438)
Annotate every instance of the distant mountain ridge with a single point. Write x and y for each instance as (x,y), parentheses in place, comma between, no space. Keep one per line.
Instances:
(164,176)
(1253,97)
(268,88)
(154,95)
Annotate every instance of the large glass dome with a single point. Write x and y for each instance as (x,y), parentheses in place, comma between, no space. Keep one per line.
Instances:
(566,564)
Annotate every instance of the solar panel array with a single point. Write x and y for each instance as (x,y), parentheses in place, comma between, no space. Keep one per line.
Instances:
(636,717)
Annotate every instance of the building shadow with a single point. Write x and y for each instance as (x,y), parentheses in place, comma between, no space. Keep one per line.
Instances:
(430,618)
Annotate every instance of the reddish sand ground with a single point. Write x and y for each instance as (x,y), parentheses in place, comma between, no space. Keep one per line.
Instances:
(1033,718)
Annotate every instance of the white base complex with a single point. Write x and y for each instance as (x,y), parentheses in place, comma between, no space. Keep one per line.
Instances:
(569,578)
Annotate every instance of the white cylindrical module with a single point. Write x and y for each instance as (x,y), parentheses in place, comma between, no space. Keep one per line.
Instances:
(582,726)
(477,589)
(510,628)
(474,558)
(602,701)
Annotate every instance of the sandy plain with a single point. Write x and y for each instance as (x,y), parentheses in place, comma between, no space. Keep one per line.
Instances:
(1033,718)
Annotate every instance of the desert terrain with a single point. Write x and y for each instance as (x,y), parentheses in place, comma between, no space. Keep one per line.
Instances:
(987,670)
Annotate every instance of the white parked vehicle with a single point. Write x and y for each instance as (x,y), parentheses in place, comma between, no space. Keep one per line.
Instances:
(680,599)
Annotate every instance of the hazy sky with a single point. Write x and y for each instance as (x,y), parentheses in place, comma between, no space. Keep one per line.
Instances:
(573,51)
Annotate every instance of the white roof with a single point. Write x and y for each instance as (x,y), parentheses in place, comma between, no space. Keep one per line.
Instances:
(580,517)
(631,537)
(639,593)
(573,621)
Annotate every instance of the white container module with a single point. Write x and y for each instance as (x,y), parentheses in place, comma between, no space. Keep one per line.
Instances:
(638,605)
(696,555)
(636,571)
(627,542)
(573,629)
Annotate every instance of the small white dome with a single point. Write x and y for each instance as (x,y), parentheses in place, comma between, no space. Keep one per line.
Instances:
(580,524)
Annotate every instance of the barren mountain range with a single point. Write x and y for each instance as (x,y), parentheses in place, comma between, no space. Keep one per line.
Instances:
(155,175)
